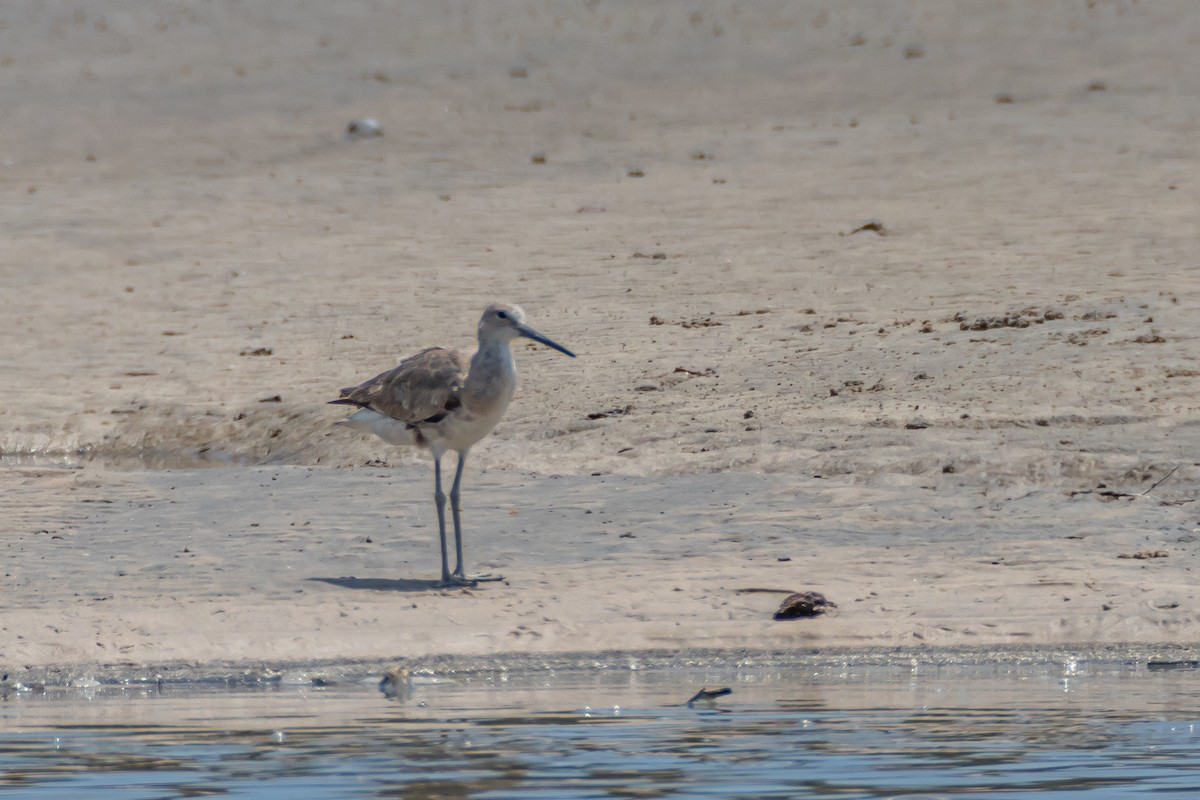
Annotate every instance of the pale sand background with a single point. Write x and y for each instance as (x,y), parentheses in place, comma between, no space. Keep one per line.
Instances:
(179,194)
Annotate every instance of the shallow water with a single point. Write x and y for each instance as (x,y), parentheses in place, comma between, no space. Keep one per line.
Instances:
(1058,731)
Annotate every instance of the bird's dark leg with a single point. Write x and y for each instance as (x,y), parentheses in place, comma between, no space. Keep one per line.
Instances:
(454,509)
(439,499)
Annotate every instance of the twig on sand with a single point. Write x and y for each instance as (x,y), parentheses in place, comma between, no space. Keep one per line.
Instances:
(1112,495)
(754,589)
(1160,480)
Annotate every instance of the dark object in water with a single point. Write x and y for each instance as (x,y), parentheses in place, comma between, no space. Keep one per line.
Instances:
(396,684)
(1173,665)
(804,604)
(709,695)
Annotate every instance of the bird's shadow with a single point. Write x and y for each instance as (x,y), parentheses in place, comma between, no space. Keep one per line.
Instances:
(382,584)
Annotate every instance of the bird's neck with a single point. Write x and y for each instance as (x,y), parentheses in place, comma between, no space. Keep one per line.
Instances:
(491,378)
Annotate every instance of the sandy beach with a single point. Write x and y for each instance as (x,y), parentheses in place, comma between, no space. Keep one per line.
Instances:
(891,301)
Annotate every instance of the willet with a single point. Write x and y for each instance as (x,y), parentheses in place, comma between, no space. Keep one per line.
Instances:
(441,400)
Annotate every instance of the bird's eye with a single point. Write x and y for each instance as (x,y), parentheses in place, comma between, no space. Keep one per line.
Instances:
(501,315)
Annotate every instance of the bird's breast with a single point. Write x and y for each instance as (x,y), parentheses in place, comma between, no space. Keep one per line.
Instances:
(489,387)
(463,427)
(483,399)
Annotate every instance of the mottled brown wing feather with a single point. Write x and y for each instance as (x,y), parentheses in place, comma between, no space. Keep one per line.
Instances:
(424,385)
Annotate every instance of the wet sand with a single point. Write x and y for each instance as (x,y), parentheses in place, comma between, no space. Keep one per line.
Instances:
(284,565)
(888,301)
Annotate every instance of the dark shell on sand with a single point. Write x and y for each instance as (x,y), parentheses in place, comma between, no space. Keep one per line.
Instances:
(804,604)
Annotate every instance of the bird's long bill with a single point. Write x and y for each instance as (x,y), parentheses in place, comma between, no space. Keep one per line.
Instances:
(530,333)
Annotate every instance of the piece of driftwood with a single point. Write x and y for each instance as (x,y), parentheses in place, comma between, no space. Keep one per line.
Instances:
(709,695)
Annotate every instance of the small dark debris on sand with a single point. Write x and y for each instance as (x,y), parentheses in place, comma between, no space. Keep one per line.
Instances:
(612,412)
(1149,338)
(708,372)
(697,322)
(1144,554)
(987,323)
(365,128)
(872,226)
(1103,492)
(803,605)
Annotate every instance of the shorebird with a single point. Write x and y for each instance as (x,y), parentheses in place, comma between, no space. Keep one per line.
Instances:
(442,400)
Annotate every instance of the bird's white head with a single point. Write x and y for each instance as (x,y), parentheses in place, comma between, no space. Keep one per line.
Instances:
(505,322)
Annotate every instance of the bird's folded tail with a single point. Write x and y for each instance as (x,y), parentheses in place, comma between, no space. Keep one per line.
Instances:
(392,431)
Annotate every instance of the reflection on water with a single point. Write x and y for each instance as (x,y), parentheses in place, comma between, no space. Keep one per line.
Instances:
(1110,731)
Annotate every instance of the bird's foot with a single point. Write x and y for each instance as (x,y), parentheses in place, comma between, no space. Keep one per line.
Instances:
(459,579)
(453,581)
(485,577)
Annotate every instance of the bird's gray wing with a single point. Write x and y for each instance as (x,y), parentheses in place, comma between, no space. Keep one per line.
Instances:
(423,388)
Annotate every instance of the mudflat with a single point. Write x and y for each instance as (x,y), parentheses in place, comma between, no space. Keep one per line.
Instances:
(894,302)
